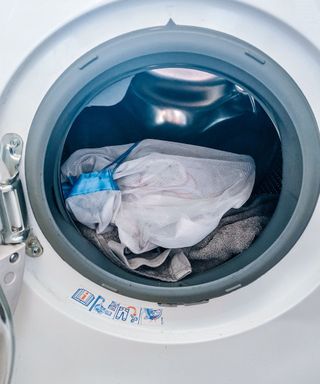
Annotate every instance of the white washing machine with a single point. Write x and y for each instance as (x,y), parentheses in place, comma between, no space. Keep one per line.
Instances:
(79,318)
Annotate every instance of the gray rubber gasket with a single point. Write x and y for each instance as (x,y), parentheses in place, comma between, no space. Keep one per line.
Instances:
(195,48)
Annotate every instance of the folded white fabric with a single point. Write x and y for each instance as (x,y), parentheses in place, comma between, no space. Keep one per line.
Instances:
(157,193)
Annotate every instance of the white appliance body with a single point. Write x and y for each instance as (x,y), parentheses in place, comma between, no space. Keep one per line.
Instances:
(266,332)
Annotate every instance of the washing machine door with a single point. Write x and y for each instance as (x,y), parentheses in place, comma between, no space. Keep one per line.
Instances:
(13,235)
(11,273)
(6,340)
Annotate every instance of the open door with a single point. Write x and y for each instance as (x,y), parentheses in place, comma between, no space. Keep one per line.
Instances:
(6,341)
(13,233)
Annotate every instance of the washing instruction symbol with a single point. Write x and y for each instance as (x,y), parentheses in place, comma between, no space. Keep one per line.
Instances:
(113,306)
(153,314)
(122,313)
(83,296)
(133,315)
(99,308)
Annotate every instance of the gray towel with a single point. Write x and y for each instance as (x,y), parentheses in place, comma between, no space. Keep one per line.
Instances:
(162,264)
(235,233)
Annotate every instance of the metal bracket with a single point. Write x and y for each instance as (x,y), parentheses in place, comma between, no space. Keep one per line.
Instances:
(13,213)
(33,246)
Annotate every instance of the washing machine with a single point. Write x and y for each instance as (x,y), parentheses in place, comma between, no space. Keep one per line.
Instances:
(69,314)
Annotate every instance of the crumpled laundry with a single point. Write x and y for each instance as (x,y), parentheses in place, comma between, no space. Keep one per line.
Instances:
(235,233)
(157,193)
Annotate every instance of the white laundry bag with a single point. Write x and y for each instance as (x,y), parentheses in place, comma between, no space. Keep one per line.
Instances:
(157,193)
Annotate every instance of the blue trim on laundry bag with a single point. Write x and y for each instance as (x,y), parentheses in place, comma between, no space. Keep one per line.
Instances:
(66,189)
(95,181)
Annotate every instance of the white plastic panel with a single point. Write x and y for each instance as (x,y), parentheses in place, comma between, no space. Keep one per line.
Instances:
(267,332)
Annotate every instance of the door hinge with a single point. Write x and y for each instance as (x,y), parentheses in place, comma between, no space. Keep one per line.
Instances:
(13,213)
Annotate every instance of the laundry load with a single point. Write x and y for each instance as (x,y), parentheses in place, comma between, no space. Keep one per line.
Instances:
(156,193)
(236,231)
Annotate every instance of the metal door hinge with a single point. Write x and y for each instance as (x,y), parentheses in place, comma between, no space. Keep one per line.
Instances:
(13,213)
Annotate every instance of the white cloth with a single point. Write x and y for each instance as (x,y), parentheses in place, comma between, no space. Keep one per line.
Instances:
(171,195)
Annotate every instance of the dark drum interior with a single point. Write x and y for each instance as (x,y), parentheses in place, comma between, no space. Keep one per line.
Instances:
(186,106)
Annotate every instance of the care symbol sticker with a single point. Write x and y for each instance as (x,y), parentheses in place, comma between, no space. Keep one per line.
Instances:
(106,307)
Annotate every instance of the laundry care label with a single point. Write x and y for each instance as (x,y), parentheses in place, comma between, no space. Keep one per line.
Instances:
(111,309)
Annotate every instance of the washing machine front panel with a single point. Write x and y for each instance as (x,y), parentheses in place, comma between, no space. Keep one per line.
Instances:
(60,298)
(61,45)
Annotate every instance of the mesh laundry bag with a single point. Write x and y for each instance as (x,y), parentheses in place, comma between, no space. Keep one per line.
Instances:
(157,193)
